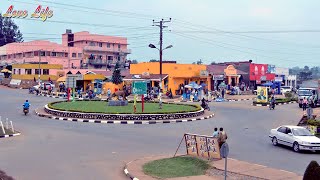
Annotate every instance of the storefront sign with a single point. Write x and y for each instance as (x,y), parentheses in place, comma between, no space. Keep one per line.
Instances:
(202,146)
(230,71)
(262,94)
(263,78)
(71,80)
(218,77)
(204,73)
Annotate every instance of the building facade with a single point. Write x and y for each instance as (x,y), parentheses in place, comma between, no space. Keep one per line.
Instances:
(80,50)
(282,74)
(174,75)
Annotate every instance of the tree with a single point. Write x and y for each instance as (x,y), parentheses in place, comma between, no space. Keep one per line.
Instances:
(153,60)
(116,75)
(213,63)
(134,62)
(9,31)
(306,68)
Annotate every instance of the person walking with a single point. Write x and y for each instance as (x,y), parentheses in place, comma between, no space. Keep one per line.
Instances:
(109,94)
(222,137)
(215,133)
(304,104)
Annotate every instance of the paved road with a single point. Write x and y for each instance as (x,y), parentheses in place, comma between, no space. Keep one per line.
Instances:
(50,149)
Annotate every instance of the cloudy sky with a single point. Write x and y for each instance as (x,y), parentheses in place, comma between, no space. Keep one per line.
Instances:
(284,33)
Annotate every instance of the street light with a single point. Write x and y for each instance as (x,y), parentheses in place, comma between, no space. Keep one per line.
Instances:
(160,53)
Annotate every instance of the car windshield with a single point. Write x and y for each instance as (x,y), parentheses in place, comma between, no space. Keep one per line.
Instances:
(304,93)
(301,132)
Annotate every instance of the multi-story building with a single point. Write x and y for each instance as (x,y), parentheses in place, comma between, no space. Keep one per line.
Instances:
(80,50)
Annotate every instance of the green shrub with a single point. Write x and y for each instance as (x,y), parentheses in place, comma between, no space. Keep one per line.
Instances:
(312,172)
(288,95)
(313,122)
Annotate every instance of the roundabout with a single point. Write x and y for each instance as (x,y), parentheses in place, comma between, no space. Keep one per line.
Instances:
(99,111)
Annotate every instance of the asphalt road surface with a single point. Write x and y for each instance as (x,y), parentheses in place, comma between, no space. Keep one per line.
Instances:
(50,149)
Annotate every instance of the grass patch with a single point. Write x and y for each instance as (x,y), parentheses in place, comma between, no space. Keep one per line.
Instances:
(8,132)
(176,167)
(102,107)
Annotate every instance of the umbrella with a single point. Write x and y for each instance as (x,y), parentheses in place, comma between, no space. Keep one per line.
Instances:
(267,84)
(192,85)
(5,70)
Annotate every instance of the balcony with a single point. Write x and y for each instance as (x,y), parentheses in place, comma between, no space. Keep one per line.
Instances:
(105,49)
(97,62)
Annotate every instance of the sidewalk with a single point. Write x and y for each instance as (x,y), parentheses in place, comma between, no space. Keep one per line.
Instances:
(236,169)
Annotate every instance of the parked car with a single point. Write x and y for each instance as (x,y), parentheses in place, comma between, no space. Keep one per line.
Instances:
(285,89)
(297,137)
(47,85)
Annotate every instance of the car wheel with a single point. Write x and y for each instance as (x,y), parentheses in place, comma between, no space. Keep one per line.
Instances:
(274,141)
(296,147)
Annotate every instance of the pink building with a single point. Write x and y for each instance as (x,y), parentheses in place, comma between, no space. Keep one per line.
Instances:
(80,50)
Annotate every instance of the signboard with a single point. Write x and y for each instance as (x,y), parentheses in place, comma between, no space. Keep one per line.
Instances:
(218,77)
(278,79)
(230,71)
(263,78)
(262,94)
(139,87)
(202,146)
(16,82)
(71,80)
(204,73)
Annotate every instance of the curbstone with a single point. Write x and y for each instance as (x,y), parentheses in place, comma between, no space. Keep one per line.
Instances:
(11,135)
(123,121)
(279,104)
(126,172)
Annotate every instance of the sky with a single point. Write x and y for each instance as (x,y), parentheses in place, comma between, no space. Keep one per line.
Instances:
(283,33)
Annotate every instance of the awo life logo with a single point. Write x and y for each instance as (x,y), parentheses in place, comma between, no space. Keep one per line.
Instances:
(39,13)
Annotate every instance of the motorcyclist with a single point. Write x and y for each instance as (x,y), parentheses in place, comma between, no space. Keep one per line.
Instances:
(203,103)
(26,105)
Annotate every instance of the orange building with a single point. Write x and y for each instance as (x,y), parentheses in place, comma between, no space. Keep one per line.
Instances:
(173,74)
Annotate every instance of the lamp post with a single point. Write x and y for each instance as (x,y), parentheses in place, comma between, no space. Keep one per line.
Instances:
(160,53)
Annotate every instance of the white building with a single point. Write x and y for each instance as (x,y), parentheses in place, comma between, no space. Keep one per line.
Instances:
(282,74)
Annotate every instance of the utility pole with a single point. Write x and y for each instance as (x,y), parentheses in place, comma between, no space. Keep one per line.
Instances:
(39,66)
(160,24)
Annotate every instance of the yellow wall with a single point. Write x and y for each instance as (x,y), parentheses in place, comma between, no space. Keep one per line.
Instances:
(178,73)
(31,77)
(36,66)
(111,86)
(91,77)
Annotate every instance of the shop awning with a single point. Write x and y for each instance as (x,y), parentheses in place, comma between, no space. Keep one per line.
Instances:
(139,77)
(61,79)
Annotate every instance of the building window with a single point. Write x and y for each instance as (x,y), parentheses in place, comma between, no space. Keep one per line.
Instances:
(118,58)
(36,53)
(19,71)
(108,45)
(91,44)
(47,53)
(37,71)
(28,71)
(14,71)
(65,54)
(119,46)
(54,54)
(86,42)
(45,71)
(74,55)
(42,53)
(79,55)
(100,44)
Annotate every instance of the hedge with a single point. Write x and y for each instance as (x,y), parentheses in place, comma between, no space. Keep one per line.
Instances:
(278,100)
(198,108)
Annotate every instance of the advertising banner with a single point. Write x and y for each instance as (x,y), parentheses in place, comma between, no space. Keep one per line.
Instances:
(202,146)
(262,94)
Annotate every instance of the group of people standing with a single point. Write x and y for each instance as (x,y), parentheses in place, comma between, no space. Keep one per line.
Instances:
(221,135)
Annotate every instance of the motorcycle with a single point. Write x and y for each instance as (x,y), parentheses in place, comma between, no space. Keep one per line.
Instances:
(25,110)
(205,106)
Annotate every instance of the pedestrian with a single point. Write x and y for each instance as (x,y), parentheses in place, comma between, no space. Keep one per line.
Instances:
(222,137)
(109,94)
(304,104)
(215,133)
(222,93)
(79,93)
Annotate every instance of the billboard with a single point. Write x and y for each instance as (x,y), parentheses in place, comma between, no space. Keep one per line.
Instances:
(262,94)
(202,146)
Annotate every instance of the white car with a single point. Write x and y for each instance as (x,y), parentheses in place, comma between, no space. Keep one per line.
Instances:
(299,138)
(285,89)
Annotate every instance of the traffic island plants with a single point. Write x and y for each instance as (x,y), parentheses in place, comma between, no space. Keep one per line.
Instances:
(314,126)
(99,106)
(289,98)
(180,166)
